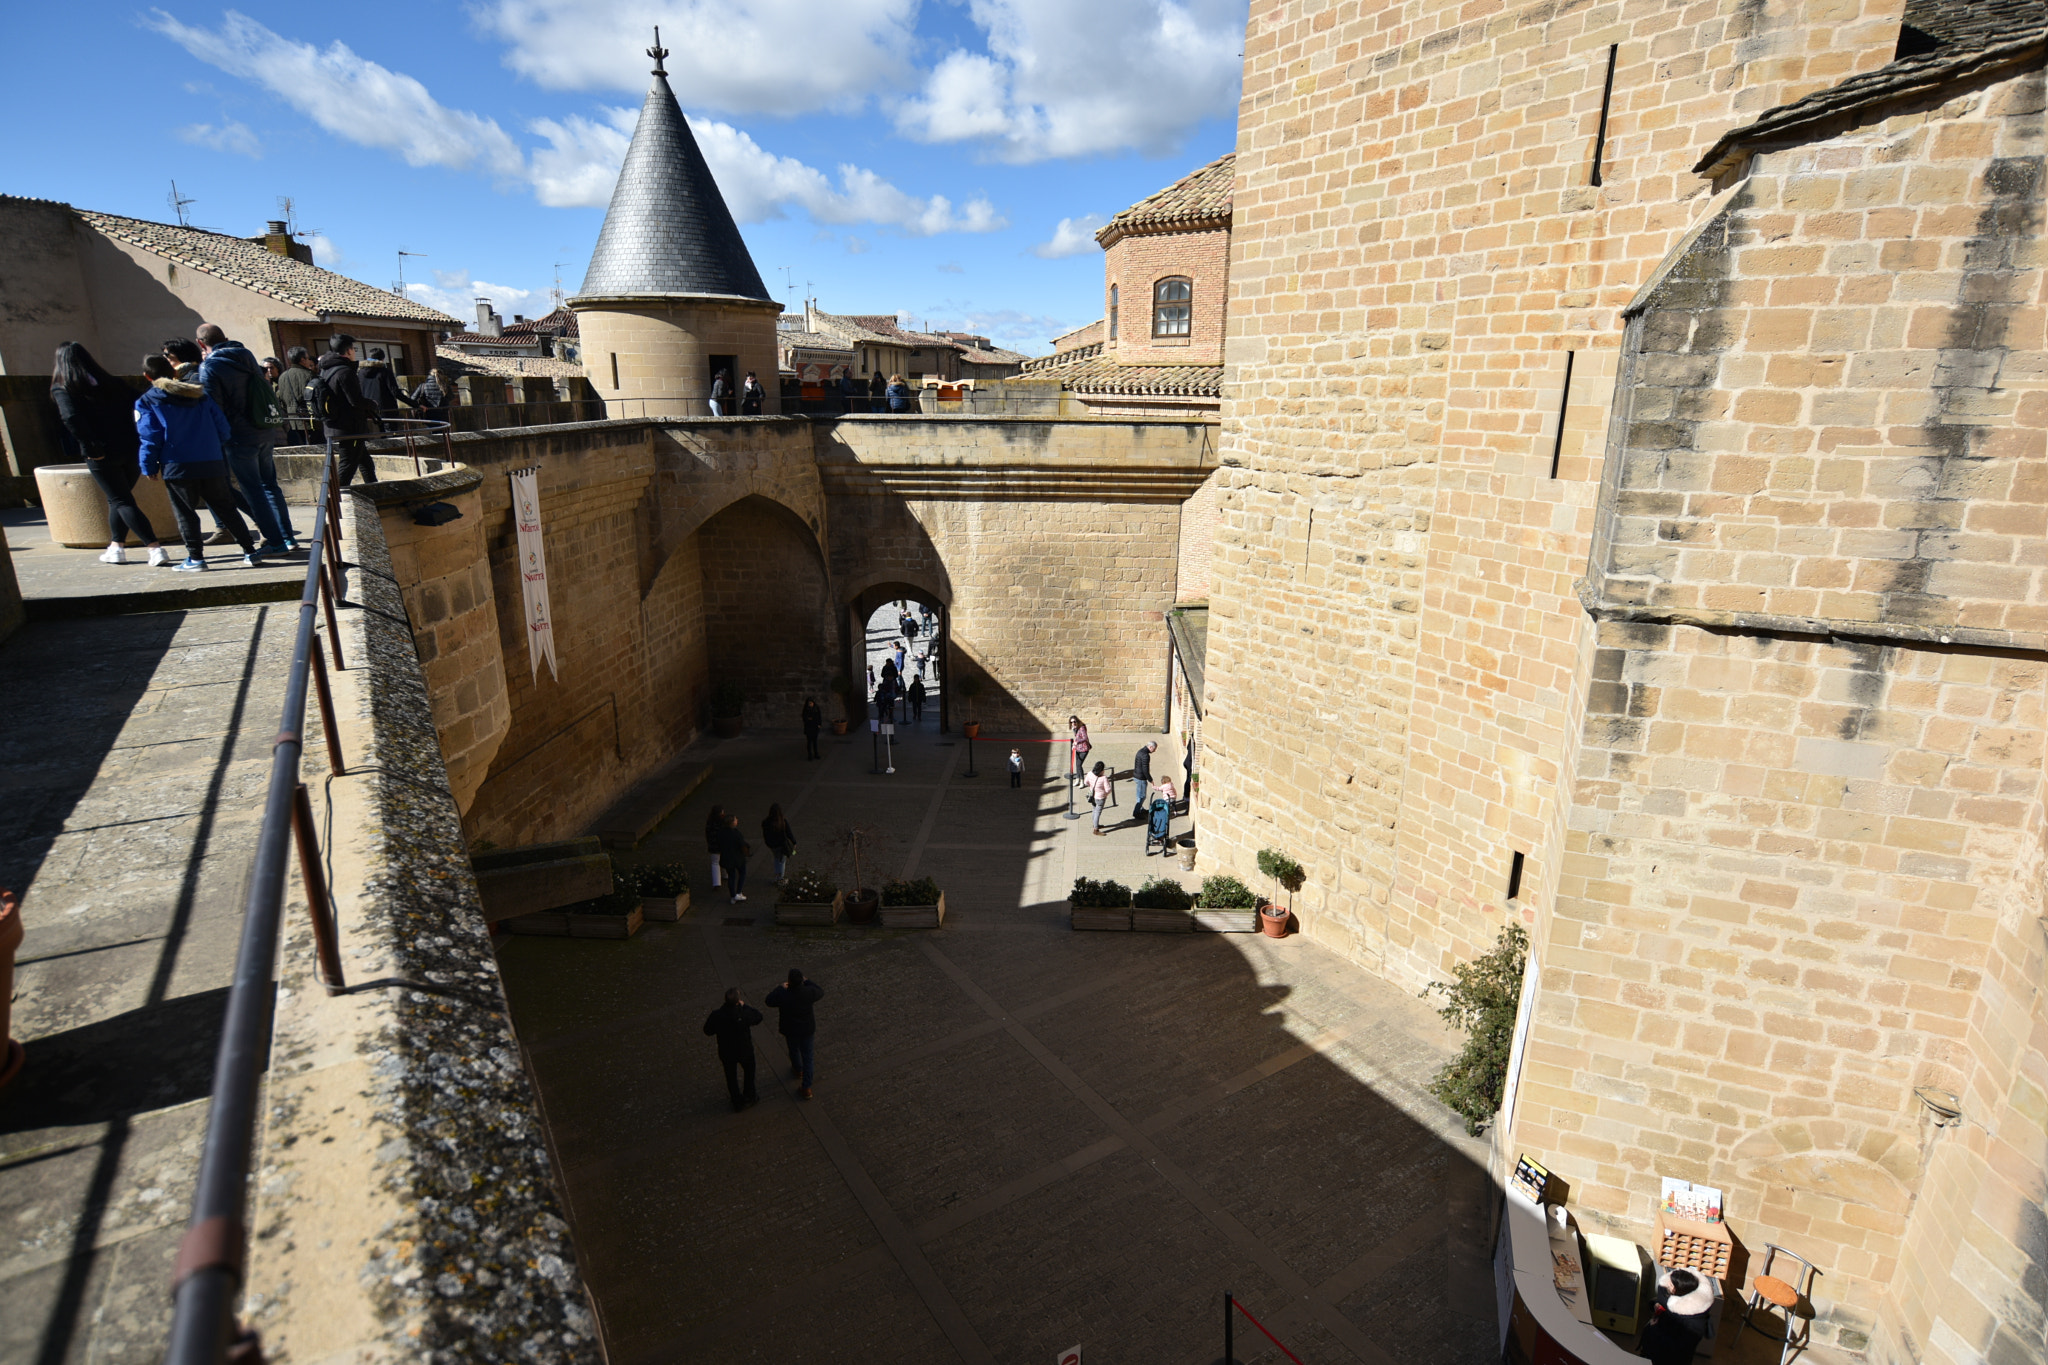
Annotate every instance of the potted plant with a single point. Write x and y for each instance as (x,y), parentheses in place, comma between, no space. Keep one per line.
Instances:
(11,1053)
(809,897)
(1285,872)
(728,708)
(664,889)
(863,904)
(969,687)
(915,904)
(842,688)
(1226,905)
(1099,905)
(1161,906)
(616,914)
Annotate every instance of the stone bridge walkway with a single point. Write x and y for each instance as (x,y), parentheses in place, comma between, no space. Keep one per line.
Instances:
(1023,1137)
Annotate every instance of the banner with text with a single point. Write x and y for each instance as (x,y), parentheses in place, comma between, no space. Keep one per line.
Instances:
(533,571)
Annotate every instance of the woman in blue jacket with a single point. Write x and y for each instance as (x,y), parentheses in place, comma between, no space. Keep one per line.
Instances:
(899,394)
(184,437)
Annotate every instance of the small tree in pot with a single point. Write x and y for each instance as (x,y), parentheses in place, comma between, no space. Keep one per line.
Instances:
(728,708)
(1285,872)
(842,688)
(969,687)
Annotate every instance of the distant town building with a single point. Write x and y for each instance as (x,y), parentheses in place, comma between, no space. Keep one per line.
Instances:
(882,345)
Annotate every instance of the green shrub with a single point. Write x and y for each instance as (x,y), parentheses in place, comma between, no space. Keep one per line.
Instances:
(1163,893)
(728,699)
(923,891)
(654,879)
(1094,895)
(1482,1001)
(1281,869)
(618,901)
(809,887)
(1225,892)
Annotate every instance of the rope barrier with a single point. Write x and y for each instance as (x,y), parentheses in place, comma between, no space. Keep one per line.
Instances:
(1262,1327)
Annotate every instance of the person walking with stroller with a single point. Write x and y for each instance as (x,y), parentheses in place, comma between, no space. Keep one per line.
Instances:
(796,1000)
(733,1025)
(1141,773)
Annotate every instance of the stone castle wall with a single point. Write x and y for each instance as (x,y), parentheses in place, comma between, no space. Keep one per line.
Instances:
(1405,685)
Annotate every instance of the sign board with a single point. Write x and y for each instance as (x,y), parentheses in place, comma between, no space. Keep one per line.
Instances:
(533,570)
(887,728)
(1070,1357)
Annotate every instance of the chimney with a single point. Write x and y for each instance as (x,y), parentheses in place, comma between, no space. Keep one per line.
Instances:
(277,240)
(488,323)
(519,317)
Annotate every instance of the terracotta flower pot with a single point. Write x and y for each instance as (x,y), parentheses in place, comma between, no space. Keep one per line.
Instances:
(1273,921)
(838,727)
(862,907)
(11,1054)
(972,729)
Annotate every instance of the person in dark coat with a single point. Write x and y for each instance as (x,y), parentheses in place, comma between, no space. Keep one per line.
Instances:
(780,837)
(380,386)
(915,696)
(1679,1322)
(752,396)
(226,374)
(98,412)
(732,858)
(814,721)
(733,1025)
(1141,773)
(300,428)
(794,999)
(430,399)
(345,411)
(184,439)
(721,394)
(876,385)
(714,843)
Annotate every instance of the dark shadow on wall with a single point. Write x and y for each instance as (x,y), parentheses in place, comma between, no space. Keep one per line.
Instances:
(768,617)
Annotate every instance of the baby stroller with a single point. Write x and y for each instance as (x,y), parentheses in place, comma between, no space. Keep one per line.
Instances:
(1159,827)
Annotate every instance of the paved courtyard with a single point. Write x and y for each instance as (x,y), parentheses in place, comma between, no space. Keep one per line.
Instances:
(1023,1138)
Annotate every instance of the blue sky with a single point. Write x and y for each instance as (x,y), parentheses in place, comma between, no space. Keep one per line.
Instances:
(946,159)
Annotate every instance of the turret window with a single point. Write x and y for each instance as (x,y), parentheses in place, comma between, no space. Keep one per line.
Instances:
(1112,312)
(1173,306)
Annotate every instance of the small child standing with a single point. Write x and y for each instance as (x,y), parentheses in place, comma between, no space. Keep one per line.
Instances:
(1016,767)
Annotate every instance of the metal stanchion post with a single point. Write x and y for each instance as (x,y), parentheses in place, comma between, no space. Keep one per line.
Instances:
(888,749)
(1229,1329)
(970,756)
(1072,814)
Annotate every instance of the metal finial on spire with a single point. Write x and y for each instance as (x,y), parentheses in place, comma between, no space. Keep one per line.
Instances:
(657,52)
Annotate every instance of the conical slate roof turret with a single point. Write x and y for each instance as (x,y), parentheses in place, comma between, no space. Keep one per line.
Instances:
(668,230)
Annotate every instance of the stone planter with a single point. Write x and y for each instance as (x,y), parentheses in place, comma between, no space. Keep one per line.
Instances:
(725,727)
(914,916)
(665,909)
(810,912)
(1226,921)
(1146,921)
(1098,917)
(563,924)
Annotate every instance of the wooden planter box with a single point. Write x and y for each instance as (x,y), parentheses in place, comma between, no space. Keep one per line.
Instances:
(1146,921)
(562,924)
(914,916)
(811,912)
(1097,917)
(1227,921)
(665,909)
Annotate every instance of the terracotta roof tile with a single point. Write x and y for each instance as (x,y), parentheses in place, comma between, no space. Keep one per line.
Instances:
(254,267)
(1096,374)
(1198,200)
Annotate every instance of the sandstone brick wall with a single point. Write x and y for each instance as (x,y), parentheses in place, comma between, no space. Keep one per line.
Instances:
(663,354)
(1136,263)
(1399,662)
(1197,541)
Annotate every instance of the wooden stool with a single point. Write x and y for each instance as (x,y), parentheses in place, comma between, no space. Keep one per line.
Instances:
(1784,1296)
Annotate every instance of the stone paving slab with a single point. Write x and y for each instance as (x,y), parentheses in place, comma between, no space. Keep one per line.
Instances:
(135,784)
(1023,1136)
(59,581)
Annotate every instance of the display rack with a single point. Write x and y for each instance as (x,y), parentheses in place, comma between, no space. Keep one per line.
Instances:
(1683,1244)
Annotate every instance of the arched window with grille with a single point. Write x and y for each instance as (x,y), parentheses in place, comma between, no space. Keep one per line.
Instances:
(1173,306)
(1112,312)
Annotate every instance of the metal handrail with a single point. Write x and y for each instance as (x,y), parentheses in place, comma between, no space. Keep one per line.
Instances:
(211,1254)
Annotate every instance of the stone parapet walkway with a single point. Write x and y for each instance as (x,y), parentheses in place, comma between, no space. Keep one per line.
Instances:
(136,751)
(1023,1137)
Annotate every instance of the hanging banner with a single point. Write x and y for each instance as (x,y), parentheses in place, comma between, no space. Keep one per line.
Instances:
(533,571)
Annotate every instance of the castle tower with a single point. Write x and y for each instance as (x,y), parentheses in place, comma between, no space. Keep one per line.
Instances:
(671,296)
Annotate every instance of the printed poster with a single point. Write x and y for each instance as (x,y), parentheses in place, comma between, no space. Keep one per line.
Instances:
(533,571)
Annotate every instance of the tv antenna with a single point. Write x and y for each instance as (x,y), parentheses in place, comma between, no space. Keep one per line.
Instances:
(178,202)
(402,254)
(556,293)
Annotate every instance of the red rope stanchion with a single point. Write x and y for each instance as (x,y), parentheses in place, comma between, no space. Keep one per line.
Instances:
(1269,1336)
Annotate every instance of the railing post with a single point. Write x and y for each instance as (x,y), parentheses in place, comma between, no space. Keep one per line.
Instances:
(333,627)
(327,953)
(327,727)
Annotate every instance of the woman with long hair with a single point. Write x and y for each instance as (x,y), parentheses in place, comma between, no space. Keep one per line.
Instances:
(99,412)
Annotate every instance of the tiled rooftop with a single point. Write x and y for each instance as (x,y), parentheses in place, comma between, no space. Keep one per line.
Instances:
(253,266)
(1086,370)
(1199,200)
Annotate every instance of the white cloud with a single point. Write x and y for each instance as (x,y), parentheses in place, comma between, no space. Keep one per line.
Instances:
(455,293)
(350,96)
(856,246)
(229,136)
(951,268)
(356,99)
(762,57)
(1072,237)
(325,252)
(1147,73)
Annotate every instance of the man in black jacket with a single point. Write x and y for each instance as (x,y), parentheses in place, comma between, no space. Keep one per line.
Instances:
(1141,773)
(733,1025)
(344,410)
(795,998)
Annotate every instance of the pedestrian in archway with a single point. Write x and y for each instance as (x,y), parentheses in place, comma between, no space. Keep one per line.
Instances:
(714,841)
(916,697)
(733,853)
(733,1025)
(796,998)
(1100,792)
(752,396)
(814,721)
(780,839)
